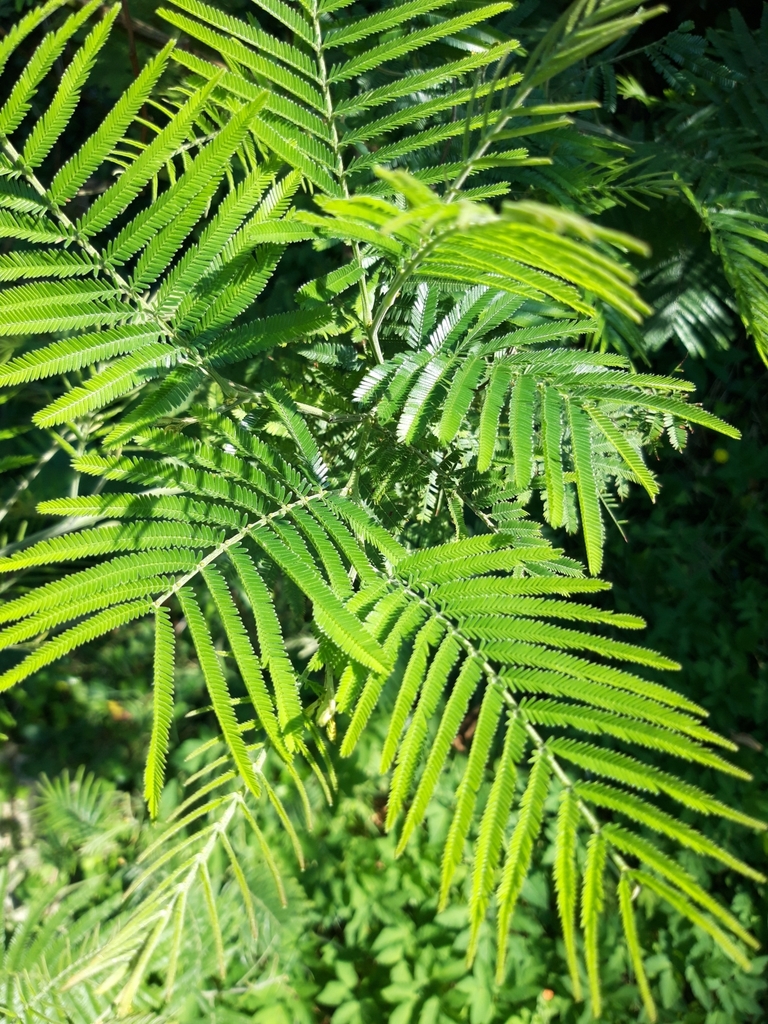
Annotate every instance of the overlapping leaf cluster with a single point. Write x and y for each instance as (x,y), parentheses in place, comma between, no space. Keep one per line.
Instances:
(442,361)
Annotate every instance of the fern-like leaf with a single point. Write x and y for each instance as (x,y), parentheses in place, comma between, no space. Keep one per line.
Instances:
(162,710)
(592,898)
(520,851)
(566,881)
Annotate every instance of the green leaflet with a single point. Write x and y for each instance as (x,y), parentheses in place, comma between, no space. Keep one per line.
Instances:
(459,398)
(74,353)
(118,571)
(119,378)
(487,724)
(258,335)
(427,561)
(377,55)
(290,17)
(247,662)
(287,53)
(170,507)
(550,712)
(609,763)
(416,141)
(502,599)
(107,540)
(43,622)
(30,229)
(18,196)
(331,615)
(19,32)
(589,504)
(14,302)
(217,687)
(660,403)
(380,22)
(270,637)
(633,945)
(536,681)
(329,555)
(632,457)
(428,636)
(93,305)
(162,710)
(399,118)
(157,256)
(242,885)
(492,826)
(551,428)
(406,623)
(345,542)
(622,768)
(237,53)
(18,265)
(491,411)
(534,656)
(733,234)
(203,258)
(521,429)
(285,408)
(520,852)
(565,878)
(151,226)
(119,196)
(362,522)
(421,396)
(287,109)
(557,636)
(231,291)
(453,714)
(425,80)
(647,853)
(170,397)
(443,663)
(592,899)
(300,152)
(500,586)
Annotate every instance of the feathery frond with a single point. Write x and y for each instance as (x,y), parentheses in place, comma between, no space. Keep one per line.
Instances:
(366,455)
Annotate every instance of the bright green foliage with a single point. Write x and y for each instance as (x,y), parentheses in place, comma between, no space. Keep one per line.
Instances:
(592,899)
(451,356)
(630,930)
(162,710)
(565,881)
